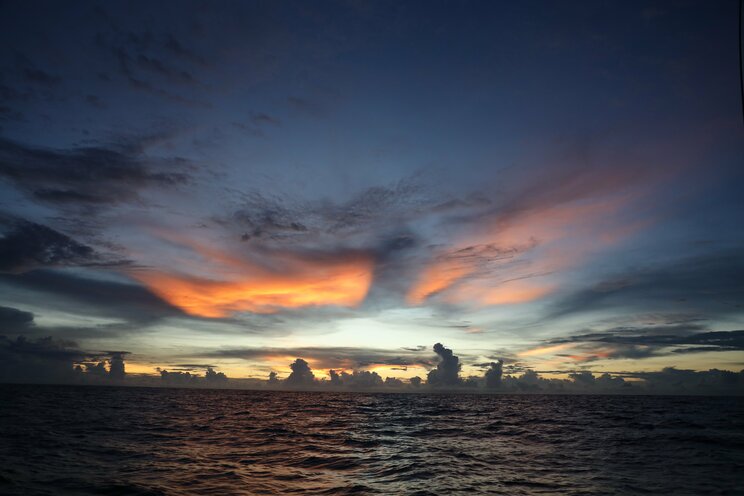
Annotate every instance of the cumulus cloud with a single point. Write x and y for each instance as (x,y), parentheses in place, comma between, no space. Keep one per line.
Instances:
(178,378)
(301,374)
(116,365)
(48,360)
(447,372)
(493,375)
(42,360)
(273,379)
(362,379)
(213,377)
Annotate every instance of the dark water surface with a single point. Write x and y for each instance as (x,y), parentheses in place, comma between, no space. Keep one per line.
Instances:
(88,440)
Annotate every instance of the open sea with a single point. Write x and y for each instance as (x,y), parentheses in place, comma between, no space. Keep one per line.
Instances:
(118,441)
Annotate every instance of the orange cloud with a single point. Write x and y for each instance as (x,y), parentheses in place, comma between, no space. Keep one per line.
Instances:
(292,282)
(507,293)
(518,248)
(438,276)
(544,350)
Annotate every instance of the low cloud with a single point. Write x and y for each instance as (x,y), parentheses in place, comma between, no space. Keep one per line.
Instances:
(447,372)
(643,342)
(493,375)
(180,378)
(332,357)
(301,374)
(48,360)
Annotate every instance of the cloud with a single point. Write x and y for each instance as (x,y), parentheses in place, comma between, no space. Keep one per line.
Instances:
(178,378)
(13,320)
(116,365)
(91,296)
(645,342)
(706,284)
(545,222)
(26,245)
(358,379)
(250,287)
(277,219)
(213,377)
(147,65)
(675,381)
(447,372)
(493,375)
(90,176)
(346,358)
(48,360)
(301,374)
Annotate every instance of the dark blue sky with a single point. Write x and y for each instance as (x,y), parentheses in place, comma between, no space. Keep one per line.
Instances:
(552,183)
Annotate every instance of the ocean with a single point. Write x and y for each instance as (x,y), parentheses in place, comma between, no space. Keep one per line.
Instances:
(149,441)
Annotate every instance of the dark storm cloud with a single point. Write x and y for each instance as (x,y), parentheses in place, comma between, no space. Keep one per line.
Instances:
(668,336)
(26,245)
(447,372)
(53,361)
(676,381)
(711,283)
(37,360)
(13,320)
(638,343)
(666,381)
(94,175)
(131,302)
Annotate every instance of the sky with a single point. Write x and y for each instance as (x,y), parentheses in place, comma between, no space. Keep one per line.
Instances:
(230,186)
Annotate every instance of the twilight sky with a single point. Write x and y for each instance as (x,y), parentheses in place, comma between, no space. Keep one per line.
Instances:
(238,184)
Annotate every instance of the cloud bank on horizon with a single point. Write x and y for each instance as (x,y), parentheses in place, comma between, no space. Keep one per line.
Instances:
(249,184)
